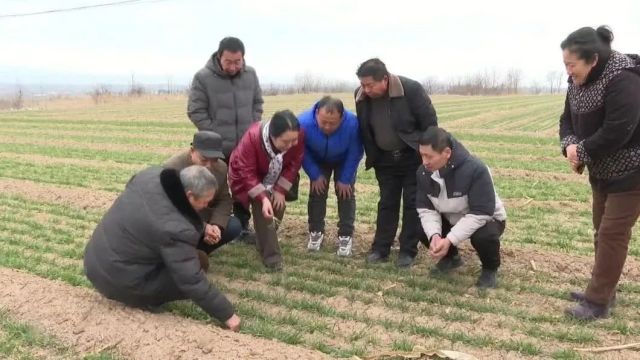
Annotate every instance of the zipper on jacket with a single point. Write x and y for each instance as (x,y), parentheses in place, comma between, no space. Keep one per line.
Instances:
(326,147)
(235,107)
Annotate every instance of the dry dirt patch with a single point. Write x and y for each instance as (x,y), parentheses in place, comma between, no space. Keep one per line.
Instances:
(73,196)
(91,323)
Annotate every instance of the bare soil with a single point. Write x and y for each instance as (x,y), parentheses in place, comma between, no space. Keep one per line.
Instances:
(90,323)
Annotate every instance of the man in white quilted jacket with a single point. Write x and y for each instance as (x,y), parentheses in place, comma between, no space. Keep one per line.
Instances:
(456,201)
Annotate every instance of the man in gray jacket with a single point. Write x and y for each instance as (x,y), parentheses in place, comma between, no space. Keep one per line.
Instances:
(143,251)
(226,98)
(456,201)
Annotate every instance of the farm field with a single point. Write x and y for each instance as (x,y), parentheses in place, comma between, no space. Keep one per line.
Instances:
(63,162)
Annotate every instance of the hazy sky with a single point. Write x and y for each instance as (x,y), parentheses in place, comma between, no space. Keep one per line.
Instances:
(158,40)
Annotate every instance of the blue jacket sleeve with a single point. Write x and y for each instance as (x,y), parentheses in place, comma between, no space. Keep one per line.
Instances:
(310,165)
(354,153)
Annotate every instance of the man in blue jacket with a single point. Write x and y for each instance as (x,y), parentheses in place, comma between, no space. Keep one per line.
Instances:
(332,145)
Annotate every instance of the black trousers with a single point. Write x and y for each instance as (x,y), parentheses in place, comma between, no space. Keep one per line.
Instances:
(239,211)
(317,205)
(396,175)
(486,242)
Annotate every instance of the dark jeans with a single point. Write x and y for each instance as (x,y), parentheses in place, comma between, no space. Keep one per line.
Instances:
(317,205)
(242,214)
(231,231)
(396,175)
(486,242)
(614,215)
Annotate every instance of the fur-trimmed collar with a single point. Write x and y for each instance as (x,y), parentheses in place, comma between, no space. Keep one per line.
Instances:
(172,186)
(395,89)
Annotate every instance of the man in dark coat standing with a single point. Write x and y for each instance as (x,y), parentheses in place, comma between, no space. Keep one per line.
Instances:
(393,111)
(143,251)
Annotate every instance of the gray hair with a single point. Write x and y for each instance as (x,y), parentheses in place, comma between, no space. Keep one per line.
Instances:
(198,179)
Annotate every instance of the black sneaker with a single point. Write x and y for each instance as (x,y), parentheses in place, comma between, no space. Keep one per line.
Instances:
(405,260)
(247,237)
(446,265)
(375,257)
(487,279)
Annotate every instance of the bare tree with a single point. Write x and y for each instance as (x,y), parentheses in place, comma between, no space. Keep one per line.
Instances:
(307,82)
(554,81)
(560,78)
(486,82)
(514,77)
(170,88)
(430,84)
(99,93)
(18,100)
(536,88)
(136,89)
(492,78)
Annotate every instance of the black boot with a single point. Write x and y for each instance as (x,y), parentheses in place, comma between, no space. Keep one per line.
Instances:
(487,279)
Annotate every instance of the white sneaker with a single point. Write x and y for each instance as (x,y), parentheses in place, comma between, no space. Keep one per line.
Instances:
(344,245)
(315,240)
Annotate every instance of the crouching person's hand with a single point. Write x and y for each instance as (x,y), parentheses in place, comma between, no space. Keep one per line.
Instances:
(233,323)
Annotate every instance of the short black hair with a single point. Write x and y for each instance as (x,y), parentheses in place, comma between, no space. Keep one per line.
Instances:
(331,104)
(586,42)
(374,68)
(230,44)
(438,138)
(283,121)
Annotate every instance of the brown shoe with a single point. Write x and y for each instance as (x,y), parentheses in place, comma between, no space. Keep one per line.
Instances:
(204,260)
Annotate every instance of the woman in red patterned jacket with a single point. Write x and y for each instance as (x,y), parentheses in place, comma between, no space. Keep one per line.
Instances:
(262,169)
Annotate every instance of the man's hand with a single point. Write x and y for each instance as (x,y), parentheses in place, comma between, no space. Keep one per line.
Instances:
(212,234)
(278,200)
(267,210)
(233,323)
(319,186)
(439,246)
(344,191)
(435,239)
